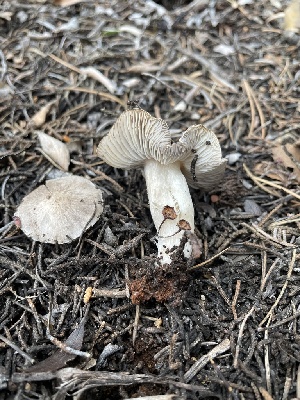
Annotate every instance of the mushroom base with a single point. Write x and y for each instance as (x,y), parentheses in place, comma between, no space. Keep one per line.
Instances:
(171,207)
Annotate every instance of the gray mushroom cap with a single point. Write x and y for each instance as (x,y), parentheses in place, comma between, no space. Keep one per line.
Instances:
(203,166)
(136,137)
(60,210)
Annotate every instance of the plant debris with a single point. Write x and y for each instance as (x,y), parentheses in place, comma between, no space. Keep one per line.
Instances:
(222,326)
(56,151)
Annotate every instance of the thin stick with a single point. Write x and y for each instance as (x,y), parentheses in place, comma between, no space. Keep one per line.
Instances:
(126,275)
(263,235)
(298,383)
(288,220)
(66,64)
(292,263)
(208,261)
(136,323)
(236,295)
(165,84)
(288,319)
(267,362)
(106,96)
(265,394)
(221,291)
(255,179)
(287,384)
(263,268)
(271,238)
(269,215)
(239,339)
(213,353)
(17,349)
(126,208)
(66,348)
(104,247)
(112,293)
(267,275)
(99,173)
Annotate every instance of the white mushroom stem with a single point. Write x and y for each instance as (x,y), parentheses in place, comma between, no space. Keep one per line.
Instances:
(167,187)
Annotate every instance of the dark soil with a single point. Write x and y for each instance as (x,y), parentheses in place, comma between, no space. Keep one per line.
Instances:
(223,326)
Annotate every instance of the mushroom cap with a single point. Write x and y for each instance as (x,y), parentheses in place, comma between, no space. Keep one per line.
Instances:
(136,137)
(204,166)
(60,210)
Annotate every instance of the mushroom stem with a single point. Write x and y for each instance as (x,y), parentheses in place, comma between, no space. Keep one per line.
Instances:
(171,206)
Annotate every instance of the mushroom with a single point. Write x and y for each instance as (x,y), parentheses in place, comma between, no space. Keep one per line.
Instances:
(139,140)
(60,210)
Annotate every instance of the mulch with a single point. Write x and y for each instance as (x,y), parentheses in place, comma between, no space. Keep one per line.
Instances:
(98,318)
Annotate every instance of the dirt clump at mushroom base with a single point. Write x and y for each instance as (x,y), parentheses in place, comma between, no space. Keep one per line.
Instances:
(223,326)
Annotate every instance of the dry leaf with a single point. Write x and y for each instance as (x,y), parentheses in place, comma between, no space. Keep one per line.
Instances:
(274,172)
(282,155)
(294,150)
(268,169)
(292,16)
(39,117)
(98,76)
(224,49)
(60,357)
(252,207)
(55,151)
(6,15)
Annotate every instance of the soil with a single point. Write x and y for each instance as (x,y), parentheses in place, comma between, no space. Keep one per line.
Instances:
(100,317)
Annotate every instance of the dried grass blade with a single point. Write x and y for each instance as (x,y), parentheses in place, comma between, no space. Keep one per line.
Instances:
(81,72)
(253,99)
(246,86)
(65,63)
(106,96)
(261,116)
(211,67)
(101,174)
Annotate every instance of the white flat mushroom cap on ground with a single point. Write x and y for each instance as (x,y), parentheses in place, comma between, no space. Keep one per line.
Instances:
(61,210)
(139,140)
